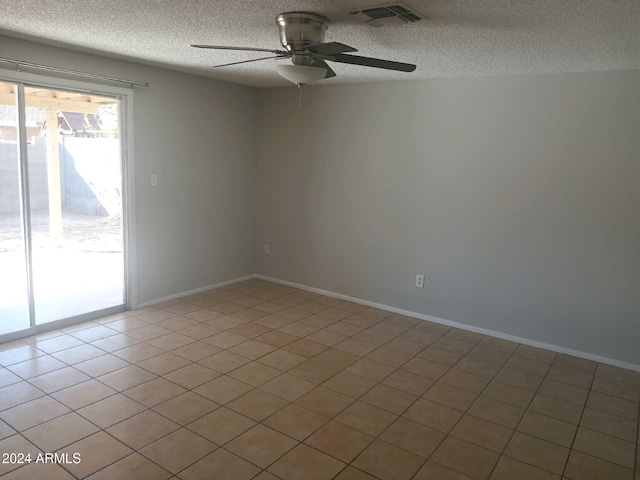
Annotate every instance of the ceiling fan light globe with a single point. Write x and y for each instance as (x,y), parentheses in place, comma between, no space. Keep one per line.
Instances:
(301,74)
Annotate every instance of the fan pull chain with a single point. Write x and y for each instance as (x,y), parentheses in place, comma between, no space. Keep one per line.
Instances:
(299,95)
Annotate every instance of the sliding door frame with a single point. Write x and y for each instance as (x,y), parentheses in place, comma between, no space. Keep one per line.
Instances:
(125,97)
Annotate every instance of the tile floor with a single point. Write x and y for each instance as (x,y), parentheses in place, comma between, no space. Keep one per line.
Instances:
(262,381)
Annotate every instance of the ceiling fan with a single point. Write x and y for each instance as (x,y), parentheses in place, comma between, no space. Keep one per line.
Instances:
(302,36)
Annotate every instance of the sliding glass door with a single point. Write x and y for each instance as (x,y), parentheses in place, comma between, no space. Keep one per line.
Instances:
(61,211)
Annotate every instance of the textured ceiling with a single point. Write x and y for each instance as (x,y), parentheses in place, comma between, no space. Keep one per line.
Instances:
(461,38)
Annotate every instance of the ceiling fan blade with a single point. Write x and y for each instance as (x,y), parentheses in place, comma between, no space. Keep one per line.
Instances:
(372,62)
(331,48)
(246,49)
(247,61)
(322,64)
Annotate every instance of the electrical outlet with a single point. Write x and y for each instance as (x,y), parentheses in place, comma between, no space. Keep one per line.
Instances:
(265,248)
(154,180)
(420,281)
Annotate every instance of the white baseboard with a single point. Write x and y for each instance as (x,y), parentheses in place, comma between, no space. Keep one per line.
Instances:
(462,326)
(195,290)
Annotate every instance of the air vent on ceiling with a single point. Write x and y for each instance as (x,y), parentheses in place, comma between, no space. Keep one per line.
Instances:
(385,15)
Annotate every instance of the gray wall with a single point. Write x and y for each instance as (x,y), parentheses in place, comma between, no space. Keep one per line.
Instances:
(517,197)
(198,135)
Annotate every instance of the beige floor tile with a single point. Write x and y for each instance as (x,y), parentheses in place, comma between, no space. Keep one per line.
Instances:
(116,342)
(222,389)
(35,367)
(464,380)
(276,339)
(356,347)
(261,445)
(389,328)
(528,365)
(482,433)
(478,367)
(496,412)
(224,463)
(613,405)
(282,360)
(581,466)
(508,394)
(389,398)
(535,353)
(254,374)
(619,374)
(257,405)
(54,381)
(96,452)
(38,470)
(15,444)
(126,378)
(617,389)
(489,355)
(450,396)
(164,363)
(78,354)
(412,436)
(336,358)
(349,384)
(510,469)
(225,322)
(574,363)
(32,413)
(433,415)
(48,346)
(325,337)
(306,463)
(5,430)
(406,346)
(433,471)
(327,403)
(314,371)
(339,441)
(171,341)
(18,393)
(389,357)
(111,410)
(408,382)
(366,418)
(564,391)
(191,376)
(139,352)
(548,428)
(305,348)
(154,392)
(134,466)
(556,408)
(225,340)
(540,453)
(252,349)
(527,381)
(610,424)
(143,429)
(606,447)
(125,324)
(344,328)
(180,323)
(224,362)
(186,408)
(148,332)
(60,432)
(374,371)
(196,351)
(571,377)
(249,330)
(439,355)
(466,458)
(178,450)
(425,368)
(288,387)
(221,426)
(351,473)
(464,335)
(101,365)
(453,345)
(388,462)
(295,421)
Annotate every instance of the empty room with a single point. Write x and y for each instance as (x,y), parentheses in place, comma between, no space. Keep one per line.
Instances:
(320,240)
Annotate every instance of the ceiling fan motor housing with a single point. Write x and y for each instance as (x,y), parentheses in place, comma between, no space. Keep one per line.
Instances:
(299,30)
